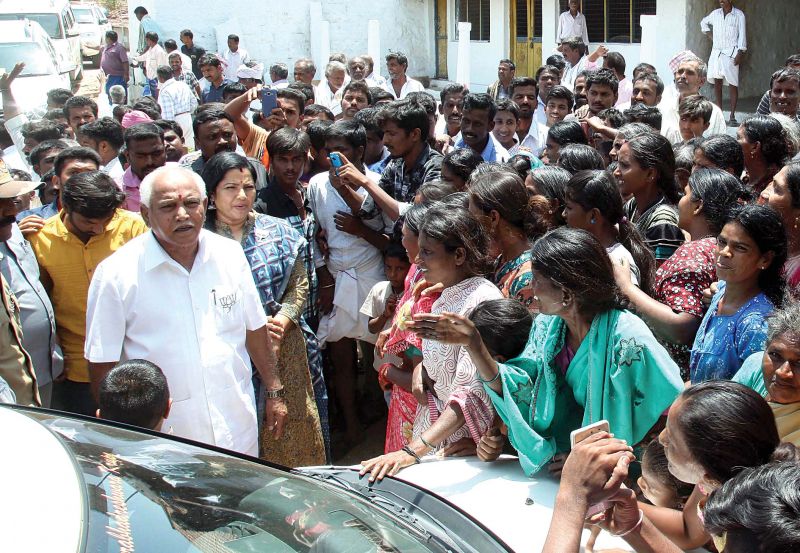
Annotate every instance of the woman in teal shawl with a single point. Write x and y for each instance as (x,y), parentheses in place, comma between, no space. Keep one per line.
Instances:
(587,358)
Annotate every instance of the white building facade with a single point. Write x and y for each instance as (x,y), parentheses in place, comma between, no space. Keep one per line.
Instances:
(523,30)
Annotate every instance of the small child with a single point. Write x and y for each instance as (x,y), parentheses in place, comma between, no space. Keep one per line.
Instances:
(694,114)
(381,302)
(504,326)
(135,392)
(658,485)
(505,125)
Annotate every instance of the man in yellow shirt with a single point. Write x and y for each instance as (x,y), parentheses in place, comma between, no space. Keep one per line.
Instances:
(89,228)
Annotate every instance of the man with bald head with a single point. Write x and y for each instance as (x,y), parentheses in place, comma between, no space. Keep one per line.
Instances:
(183,298)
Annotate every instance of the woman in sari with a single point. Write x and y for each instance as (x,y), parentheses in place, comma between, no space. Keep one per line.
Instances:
(765,148)
(273,250)
(452,402)
(500,202)
(775,372)
(587,359)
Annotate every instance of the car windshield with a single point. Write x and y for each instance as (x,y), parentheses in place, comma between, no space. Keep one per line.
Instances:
(48,21)
(84,15)
(36,60)
(148,493)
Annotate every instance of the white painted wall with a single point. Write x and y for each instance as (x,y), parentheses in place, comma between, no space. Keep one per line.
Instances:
(484,55)
(275,30)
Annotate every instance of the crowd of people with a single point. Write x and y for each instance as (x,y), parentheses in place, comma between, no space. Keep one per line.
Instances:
(514,265)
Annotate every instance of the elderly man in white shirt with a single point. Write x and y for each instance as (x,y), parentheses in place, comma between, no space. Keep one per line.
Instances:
(726,28)
(572,23)
(690,75)
(325,91)
(177,102)
(184,298)
(399,84)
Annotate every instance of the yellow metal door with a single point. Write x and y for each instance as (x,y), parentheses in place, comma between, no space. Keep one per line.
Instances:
(526,40)
(440,23)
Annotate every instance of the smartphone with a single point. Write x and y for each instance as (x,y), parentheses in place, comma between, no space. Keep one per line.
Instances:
(336,160)
(269,101)
(580,434)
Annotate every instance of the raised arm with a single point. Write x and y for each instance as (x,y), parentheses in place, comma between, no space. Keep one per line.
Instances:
(10,108)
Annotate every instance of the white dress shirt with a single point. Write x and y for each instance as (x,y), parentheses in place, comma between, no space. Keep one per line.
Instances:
(175,97)
(569,26)
(114,169)
(728,31)
(152,59)
(192,324)
(234,60)
(411,85)
(324,96)
(572,71)
(540,115)
(375,79)
(536,139)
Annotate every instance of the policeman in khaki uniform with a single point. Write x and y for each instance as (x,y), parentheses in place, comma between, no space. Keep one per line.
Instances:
(15,363)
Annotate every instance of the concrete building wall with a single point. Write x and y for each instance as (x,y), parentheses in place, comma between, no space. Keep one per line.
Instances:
(483,55)
(278,31)
(771,38)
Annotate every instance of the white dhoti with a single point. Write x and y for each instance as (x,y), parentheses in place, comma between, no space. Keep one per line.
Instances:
(345,319)
(720,66)
(184,120)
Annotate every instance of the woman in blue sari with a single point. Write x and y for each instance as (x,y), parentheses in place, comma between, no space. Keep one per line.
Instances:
(273,249)
(587,358)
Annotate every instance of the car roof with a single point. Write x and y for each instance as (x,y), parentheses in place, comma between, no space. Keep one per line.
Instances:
(32,6)
(21,31)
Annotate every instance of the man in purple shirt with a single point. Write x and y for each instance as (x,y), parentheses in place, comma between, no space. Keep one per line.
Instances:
(114,63)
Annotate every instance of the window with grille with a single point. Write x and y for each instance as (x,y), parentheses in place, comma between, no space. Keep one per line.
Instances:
(614,21)
(477,13)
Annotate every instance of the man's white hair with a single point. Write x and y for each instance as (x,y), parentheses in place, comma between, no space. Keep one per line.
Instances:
(334,66)
(146,188)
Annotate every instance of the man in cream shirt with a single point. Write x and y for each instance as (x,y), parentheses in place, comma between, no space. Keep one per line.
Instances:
(183,298)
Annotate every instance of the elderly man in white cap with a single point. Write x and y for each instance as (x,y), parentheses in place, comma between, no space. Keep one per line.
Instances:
(184,298)
(16,367)
(250,74)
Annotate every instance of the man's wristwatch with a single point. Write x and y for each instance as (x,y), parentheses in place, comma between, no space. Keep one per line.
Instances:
(273,394)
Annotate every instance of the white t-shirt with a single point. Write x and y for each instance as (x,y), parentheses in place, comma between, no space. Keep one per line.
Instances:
(372,307)
(617,253)
(192,324)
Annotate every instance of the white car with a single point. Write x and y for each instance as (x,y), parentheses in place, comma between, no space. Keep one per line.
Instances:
(101,486)
(92,24)
(58,21)
(26,41)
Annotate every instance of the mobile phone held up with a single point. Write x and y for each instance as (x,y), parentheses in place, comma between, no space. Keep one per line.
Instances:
(269,101)
(580,434)
(336,160)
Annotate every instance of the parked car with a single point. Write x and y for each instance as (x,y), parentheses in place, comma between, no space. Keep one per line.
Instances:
(58,21)
(92,24)
(76,484)
(27,42)
(96,485)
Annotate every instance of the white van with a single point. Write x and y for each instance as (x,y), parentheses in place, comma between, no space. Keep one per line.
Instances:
(26,41)
(58,21)
(92,25)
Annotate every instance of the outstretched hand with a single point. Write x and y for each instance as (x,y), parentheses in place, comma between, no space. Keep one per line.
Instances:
(7,78)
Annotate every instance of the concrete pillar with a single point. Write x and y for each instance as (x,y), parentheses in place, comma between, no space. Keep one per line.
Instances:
(463,64)
(550,15)
(649,46)
(374,44)
(315,37)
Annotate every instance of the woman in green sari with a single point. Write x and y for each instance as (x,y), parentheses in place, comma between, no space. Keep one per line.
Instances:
(587,358)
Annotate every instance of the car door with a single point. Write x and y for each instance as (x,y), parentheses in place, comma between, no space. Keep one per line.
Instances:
(73,36)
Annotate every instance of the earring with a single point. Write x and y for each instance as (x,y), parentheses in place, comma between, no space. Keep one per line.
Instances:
(535,298)
(592,221)
(564,303)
